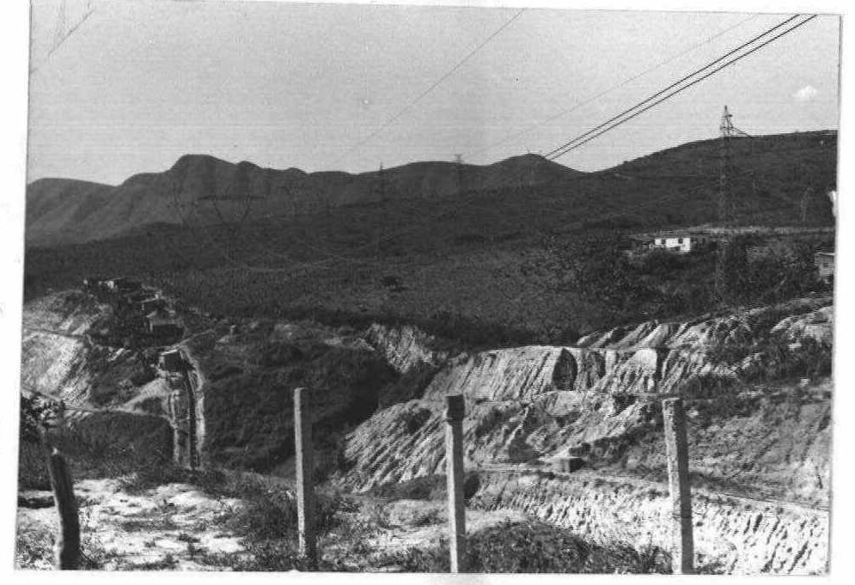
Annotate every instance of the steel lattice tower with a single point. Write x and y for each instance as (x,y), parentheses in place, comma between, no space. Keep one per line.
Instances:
(458,160)
(725,204)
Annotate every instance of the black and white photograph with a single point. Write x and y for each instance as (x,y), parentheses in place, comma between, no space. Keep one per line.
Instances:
(427,288)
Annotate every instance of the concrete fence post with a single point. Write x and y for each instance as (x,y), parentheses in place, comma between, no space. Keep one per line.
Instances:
(305,468)
(677,448)
(454,412)
(67,546)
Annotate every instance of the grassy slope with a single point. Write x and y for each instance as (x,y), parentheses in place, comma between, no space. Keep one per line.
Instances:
(485,266)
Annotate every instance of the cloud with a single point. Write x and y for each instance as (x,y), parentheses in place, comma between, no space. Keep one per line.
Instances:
(806,93)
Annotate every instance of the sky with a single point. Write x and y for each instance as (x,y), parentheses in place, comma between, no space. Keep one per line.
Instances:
(141,83)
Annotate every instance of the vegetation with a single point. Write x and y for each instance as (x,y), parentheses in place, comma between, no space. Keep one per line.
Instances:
(534,548)
(494,267)
(429,487)
(101,445)
(249,407)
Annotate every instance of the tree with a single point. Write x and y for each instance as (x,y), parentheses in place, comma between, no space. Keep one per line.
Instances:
(596,268)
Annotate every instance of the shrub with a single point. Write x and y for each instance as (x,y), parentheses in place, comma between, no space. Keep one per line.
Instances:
(34,547)
(113,444)
(430,487)
(534,548)
(269,509)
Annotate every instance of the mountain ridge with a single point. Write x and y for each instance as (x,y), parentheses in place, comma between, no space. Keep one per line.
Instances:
(203,190)
(63,211)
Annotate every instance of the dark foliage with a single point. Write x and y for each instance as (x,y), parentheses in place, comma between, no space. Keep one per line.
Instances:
(534,548)
(431,487)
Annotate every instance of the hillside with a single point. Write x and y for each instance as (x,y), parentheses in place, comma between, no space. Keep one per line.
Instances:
(756,384)
(204,190)
(486,267)
(676,186)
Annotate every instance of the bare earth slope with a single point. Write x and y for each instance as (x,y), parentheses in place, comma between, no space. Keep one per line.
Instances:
(755,383)
(759,450)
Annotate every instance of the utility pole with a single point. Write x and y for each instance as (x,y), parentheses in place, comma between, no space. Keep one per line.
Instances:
(454,413)
(676,446)
(726,278)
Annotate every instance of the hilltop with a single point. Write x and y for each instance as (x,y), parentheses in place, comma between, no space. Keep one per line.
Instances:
(204,190)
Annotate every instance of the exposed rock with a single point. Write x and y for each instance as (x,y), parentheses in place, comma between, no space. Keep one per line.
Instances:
(817,325)
(732,535)
(405,348)
(596,406)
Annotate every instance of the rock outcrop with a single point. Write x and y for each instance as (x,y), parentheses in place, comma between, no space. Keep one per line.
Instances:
(405,348)
(532,408)
(732,535)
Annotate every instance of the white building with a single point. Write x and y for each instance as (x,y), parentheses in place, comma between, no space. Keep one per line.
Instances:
(676,243)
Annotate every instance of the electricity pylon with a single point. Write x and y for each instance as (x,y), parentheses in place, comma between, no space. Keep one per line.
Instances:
(725,205)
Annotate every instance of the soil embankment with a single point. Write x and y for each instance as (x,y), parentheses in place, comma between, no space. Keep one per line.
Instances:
(756,386)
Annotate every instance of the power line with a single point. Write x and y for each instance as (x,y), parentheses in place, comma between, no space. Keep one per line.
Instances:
(673,85)
(430,88)
(574,144)
(465,201)
(61,35)
(618,85)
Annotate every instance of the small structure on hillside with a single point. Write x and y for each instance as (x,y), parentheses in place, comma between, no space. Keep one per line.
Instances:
(163,326)
(171,361)
(570,464)
(824,262)
(681,243)
(92,282)
(122,285)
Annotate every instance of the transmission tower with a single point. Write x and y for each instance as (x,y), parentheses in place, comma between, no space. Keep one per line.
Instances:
(805,203)
(458,160)
(382,187)
(725,205)
(731,259)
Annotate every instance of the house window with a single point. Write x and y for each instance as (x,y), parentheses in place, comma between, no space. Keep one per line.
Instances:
(679,240)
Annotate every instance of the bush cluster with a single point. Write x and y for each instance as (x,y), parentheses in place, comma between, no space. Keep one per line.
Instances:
(533,548)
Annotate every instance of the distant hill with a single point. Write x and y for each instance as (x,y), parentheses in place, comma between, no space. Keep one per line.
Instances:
(772,179)
(203,190)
